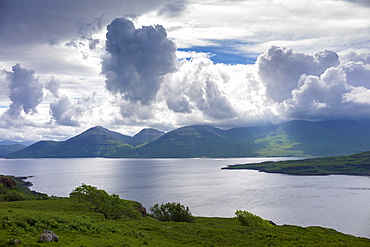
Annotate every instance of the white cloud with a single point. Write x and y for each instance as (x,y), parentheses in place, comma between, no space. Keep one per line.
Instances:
(305,80)
(53,86)
(254,26)
(280,69)
(359,95)
(319,97)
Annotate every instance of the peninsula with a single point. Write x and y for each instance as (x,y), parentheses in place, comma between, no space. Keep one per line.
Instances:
(355,164)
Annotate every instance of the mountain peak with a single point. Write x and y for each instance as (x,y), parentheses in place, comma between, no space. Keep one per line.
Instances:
(146,135)
(97,128)
(295,138)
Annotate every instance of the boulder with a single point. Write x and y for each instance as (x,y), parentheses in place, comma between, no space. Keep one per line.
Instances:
(49,236)
(15,241)
(139,207)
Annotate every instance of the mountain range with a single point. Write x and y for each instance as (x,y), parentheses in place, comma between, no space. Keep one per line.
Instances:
(295,138)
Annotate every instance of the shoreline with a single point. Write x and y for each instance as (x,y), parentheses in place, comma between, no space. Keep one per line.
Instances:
(22,180)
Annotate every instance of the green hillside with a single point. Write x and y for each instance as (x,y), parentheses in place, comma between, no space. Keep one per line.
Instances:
(76,224)
(145,136)
(295,138)
(321,138)
(190,141)
(95,142)
(356,164)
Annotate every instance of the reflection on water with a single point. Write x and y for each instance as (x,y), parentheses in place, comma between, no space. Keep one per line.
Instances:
(339,202)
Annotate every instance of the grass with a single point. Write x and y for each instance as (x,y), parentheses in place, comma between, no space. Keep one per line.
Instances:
(75,225)
(278,144)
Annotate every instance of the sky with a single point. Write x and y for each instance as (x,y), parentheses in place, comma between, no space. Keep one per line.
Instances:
(68,65)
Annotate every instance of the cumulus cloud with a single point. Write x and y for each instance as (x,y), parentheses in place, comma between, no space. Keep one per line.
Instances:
(358,73)
(62,112)
(198,86)
(319,96)
(67,112)
(53,86)
(341,91)
(359,95)
(25,91)
(282,85)
(138,59)
(133,113)
(281,68)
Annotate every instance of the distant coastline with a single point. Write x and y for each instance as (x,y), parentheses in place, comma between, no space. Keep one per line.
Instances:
(356,164)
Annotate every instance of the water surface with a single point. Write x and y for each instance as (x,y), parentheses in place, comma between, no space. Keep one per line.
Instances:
(339,202)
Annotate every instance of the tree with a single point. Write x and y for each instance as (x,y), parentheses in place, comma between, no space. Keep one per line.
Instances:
(111,206)
(172,211)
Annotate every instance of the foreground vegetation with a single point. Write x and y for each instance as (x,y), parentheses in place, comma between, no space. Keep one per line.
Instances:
(76,225)
(356,164)
(79,221)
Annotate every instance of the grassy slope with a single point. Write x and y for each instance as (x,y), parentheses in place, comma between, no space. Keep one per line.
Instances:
(77,226)
(190,141)
(356,164)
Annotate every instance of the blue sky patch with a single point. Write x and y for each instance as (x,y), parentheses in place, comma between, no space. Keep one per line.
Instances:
(223,54)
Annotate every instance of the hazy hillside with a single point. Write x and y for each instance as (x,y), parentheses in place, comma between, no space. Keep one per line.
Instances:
(24,143)
(7,149)
(294,138)
(297,138)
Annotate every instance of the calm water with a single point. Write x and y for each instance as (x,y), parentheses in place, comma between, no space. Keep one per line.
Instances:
(339,202)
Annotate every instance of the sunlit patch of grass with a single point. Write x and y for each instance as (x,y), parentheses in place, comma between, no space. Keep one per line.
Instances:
(278,144)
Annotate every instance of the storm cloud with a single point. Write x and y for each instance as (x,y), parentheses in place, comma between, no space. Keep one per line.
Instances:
(280,69)
(138,60)
(25,91)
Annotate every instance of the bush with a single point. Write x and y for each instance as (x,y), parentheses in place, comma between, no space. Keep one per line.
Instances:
(248,219)
(10,195)
(111,206)
(172,212)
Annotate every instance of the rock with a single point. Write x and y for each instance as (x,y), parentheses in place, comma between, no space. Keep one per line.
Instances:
(7,182)
(49,236)
(272,223)
(139,207)
(15,241)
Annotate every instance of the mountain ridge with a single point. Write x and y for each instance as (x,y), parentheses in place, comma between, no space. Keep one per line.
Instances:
(298,138)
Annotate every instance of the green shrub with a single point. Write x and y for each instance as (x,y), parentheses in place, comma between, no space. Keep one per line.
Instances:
(172,212)
(248,219)
(111,206)
(10,195)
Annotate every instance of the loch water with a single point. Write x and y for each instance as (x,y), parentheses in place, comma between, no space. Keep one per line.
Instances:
(336,201)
